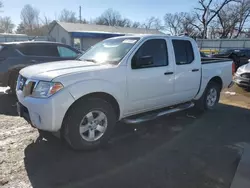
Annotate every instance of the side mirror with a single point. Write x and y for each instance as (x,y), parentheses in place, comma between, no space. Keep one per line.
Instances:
(248,60)
(144,61)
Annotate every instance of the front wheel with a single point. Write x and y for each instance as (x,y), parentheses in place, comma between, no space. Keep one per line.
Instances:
(89,124)
(210,97)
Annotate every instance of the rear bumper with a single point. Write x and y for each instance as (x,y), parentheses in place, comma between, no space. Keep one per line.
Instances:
(245,82)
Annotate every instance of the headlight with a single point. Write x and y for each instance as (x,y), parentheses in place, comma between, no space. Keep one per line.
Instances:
(46,89)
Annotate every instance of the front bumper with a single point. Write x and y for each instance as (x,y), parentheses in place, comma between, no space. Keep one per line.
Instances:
(244,82)
(45,114)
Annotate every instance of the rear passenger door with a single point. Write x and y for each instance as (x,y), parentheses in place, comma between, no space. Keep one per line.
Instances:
(187,70)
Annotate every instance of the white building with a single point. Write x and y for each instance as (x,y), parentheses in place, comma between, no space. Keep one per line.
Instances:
(84,36)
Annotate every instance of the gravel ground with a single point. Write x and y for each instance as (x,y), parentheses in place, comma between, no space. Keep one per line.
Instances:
(183,150)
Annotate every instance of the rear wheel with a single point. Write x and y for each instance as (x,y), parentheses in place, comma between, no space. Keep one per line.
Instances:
(89,124)
(210,97)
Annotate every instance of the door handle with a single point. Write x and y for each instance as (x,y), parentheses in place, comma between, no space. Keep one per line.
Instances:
(168,73)
(195,70)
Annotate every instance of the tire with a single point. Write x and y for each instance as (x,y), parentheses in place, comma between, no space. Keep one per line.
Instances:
(13,82)
(82,114)
(204,103)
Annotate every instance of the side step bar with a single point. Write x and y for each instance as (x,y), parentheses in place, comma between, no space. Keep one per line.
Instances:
(153,115)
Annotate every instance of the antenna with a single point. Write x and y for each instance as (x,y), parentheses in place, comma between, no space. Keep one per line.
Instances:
(80,14)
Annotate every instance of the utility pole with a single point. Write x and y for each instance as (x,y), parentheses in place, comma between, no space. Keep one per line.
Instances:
(80,14)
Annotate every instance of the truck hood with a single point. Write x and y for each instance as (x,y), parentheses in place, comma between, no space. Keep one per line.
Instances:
(49,71)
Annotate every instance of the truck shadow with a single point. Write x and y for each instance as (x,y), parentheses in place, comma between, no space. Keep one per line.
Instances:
(50,163)
(8,105)
(205,140)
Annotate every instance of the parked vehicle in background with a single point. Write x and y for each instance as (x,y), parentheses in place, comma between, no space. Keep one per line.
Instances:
(209,52)
(240,56)
(16,55)
(131,79)
(203,54)
(242,76)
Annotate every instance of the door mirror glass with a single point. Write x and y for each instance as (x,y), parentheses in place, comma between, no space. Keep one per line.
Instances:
(144,61)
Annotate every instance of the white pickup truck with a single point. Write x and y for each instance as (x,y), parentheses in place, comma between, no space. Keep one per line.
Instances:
(131,79)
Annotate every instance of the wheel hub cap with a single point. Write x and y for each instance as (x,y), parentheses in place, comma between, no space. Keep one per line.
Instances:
(212,97)
(93,126)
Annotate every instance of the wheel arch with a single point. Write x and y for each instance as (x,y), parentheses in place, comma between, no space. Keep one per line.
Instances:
(217,80)
(100,95)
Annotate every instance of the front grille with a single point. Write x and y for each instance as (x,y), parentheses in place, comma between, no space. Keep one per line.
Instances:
(21,82)
(26,85)
(29,87)
(245,75)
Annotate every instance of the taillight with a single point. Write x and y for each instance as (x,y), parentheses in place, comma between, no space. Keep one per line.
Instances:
(233,68)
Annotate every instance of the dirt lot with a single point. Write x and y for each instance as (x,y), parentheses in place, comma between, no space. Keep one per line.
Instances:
(184,150)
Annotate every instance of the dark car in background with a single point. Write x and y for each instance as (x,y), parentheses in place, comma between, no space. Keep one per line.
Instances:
(16,55)
(240,56)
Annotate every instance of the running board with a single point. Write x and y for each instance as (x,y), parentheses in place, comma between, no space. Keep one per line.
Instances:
(155,114)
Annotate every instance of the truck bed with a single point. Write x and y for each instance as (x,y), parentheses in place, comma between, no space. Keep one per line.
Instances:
(208,60)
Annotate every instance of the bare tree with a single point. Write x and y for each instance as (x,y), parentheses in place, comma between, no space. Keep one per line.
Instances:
(112,18)
(68,16)
(152,23)
(207,11)
(189,24)
(228,19)
(6,25)
(46,24)
(20,29)
(30,18)
(243,8)
(179,23)
(136,24)
(173,23)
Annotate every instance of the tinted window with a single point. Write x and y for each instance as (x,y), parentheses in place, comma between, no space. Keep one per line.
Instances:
(226,51)
(248,53)
(155,48)
(183,52)
(38,50)
(6,51)
(66,52)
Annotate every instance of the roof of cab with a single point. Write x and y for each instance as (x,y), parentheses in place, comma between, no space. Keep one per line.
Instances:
(153,35)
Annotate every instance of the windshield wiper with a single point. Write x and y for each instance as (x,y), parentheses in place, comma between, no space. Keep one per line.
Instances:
(90,60)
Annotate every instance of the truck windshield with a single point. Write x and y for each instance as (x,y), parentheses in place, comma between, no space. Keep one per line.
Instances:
(110,50)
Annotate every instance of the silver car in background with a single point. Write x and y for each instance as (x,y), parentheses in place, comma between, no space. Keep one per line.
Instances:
(242,76)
